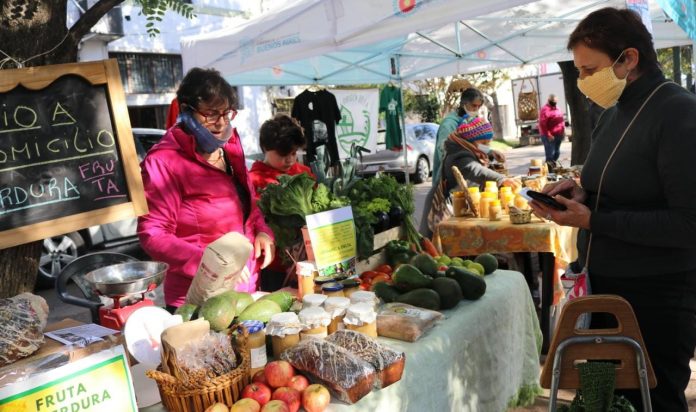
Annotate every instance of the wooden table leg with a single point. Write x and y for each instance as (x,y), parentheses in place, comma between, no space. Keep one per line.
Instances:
(546,261)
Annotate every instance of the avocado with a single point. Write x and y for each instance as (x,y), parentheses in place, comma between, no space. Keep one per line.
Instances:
(449,291)
(219,311)
(241,299)
(425,263)
(188,311)
(473,286)
(488,261)
(439,274)
(422,297)
(407,277)
(282,298)
(260,310)
(386,292)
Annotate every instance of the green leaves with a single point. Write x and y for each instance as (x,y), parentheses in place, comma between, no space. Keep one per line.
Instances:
(154,10)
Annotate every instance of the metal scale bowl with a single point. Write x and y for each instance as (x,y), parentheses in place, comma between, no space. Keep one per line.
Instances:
(124,281)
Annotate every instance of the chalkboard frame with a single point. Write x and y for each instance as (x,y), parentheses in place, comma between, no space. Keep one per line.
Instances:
(104,72)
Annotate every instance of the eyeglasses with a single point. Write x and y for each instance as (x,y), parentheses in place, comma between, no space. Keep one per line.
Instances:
(212,118)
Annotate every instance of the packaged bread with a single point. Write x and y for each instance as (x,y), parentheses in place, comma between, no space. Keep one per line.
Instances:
(388,363)
(345,374)
(405,322)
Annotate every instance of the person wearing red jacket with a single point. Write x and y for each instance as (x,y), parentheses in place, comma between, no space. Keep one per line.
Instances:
(279,138)
(551,129)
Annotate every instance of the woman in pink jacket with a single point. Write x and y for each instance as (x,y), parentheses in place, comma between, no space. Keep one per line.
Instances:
(551,128)
(198,188)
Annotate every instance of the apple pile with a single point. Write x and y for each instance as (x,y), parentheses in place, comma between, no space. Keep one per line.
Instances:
(277,388)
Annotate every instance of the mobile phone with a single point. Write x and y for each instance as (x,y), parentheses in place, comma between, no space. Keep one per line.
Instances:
(545,199)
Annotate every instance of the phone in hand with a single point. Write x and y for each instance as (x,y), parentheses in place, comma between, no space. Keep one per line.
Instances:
(545,199)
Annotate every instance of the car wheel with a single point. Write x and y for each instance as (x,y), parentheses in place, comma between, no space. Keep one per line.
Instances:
(422,170)
(56,253)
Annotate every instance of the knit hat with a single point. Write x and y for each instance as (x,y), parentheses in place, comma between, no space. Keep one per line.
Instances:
(472,129)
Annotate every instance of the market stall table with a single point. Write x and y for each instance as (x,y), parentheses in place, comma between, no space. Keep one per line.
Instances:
(460,236)
(482,356)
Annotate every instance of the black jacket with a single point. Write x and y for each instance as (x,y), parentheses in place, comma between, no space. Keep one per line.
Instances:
(646,221)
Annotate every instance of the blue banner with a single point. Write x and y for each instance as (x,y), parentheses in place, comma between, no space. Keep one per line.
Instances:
(683,12)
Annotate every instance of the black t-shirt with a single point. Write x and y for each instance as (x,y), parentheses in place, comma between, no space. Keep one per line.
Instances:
(318,114)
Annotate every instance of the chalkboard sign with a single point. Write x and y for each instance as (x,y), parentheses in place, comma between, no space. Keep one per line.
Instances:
(67,156)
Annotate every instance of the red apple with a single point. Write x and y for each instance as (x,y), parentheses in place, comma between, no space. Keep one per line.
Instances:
(278,373)
(260,377)
(275,406)
(298,382)
(290,396)
(315,398)
(258,392)
(246,405)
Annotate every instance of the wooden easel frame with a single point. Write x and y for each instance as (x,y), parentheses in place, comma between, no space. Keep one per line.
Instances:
(106,73)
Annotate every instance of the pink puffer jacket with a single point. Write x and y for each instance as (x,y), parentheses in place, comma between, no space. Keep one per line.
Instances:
(191,203)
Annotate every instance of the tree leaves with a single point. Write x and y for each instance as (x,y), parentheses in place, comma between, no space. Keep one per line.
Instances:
(154,10)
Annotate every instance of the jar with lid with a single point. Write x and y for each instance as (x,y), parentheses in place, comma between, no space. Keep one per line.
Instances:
(256,343)
(475,195)
(336,307)
(484,204)
(284,329)
(491,186)
(306,272)
(350,286)
(458,203)
(365,296)
(332,289)
(320,280)
(315,321)
(361,317)
(495,211)
(313,300)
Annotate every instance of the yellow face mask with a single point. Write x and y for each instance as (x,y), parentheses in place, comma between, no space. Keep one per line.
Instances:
(603,87)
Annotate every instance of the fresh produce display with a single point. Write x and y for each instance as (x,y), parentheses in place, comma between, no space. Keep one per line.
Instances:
(219,311)
(472,284)
(246,405)
(421,297)
(260,310)
(188,311)
(282,298)
(407,277)
(488,261)
(449,291)
(241,299)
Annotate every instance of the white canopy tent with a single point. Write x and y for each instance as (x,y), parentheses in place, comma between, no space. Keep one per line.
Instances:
(360,41)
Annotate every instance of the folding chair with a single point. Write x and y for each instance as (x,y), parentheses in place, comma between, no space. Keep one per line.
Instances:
(623,344)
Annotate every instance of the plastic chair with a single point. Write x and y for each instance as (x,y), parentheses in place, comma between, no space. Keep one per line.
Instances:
(623,343)
(76,271)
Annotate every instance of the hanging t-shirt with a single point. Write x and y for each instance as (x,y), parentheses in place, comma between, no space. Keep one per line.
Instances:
(390,104)
(318,114)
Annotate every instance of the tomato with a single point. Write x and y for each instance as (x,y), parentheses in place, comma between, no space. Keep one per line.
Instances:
(384,269)
(382,277)
(368,275)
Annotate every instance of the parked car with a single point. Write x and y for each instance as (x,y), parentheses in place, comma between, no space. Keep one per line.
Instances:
(119,236)
(420,143)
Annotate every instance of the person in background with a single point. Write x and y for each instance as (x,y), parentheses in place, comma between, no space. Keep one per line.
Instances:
(198,189)
(636,202)
(551,128)
(172,114)
(279,138)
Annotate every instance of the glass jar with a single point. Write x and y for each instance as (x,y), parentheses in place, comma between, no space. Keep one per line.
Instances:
(284,329)
(313,300)
(256,343)
(365,296)
(495,211)
(336,307)
(361,317)
(306,272)
(332,289)
(459,205)
(320,280)
(315,321)
(534,170)
(350,286)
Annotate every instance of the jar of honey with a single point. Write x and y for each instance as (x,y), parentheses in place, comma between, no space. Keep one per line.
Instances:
(495,211)
(365,296)
(320,280)
(306,272)
(256,343)
(336,307)
(332,289)
(361,317)
(491,186)
(284,329)
(484,204)
(313,300)
(315,321)
(350,286)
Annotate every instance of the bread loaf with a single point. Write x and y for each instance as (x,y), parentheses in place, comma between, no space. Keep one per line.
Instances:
(23,320)
(388,363)
(346,375)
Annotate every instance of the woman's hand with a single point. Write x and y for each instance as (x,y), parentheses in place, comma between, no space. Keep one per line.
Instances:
(264,244)
(576,214)
(498,156)
(567,188)
(512,183)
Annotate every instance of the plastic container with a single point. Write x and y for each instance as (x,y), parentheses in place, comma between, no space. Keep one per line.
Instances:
(350,286)
(491,186)
(495,210)
(256,343)
(313,300)
(484,204)
(336,307)
(284,329)
(361,317)
(332,289)
(315,321)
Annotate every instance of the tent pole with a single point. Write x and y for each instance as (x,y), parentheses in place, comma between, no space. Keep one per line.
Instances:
(403,120)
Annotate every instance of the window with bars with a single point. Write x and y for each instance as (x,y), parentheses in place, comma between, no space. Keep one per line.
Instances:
(149,73)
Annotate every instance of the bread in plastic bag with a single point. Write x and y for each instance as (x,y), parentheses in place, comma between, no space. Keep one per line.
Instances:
(346,375)
(405,322)
(388,363)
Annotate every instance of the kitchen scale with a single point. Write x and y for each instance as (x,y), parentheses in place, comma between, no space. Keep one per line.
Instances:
(127,284)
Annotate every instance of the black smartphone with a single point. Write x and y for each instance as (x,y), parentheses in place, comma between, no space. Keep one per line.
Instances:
(546,199)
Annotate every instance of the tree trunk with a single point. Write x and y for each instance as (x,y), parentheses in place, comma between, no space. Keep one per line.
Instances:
(495,118)
(19,266)
(581,124)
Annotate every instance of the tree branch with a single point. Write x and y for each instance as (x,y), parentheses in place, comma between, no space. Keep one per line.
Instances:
(92,15)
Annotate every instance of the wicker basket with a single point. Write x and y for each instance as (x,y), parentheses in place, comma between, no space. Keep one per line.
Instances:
(227,388)
(521,216)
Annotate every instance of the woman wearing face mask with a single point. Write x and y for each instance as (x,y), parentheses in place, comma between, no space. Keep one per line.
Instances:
(551,128)
(636,206)
(198,189)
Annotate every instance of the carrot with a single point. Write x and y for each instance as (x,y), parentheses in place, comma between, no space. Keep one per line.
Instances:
(429,247)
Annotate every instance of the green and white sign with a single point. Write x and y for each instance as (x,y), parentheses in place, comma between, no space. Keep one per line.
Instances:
(359,117)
